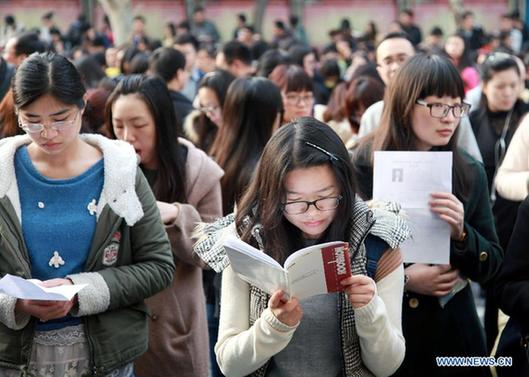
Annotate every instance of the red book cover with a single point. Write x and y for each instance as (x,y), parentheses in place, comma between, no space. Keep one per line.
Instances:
(337,266)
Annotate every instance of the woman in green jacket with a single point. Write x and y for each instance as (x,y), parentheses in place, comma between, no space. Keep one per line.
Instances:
(74,209)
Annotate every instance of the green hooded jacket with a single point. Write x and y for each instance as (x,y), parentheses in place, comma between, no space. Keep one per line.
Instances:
(130,259)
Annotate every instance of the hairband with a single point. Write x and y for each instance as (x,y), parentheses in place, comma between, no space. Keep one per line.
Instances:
(332,156)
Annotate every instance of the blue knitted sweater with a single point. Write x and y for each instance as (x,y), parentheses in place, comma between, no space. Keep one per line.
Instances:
(58,219)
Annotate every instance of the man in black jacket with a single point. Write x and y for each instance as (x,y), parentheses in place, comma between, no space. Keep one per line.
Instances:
(409,27)
(472,34)
(169,64)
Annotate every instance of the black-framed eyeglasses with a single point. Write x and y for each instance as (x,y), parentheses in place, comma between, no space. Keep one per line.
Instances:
(301,206)
(296,99)
(440,110)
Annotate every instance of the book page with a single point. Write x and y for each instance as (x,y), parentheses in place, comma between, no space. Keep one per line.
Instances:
(254,266)
(318,269)
(249,250)
(306,276)
(309,249)
(409,178)
(18,287)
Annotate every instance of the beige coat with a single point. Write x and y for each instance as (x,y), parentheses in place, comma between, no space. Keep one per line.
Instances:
(512,179)
(178,342)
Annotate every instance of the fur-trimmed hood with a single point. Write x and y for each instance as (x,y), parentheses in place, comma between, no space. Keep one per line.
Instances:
(120,166)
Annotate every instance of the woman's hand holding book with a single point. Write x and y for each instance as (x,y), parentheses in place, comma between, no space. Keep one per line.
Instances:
(360,290)
(286,310)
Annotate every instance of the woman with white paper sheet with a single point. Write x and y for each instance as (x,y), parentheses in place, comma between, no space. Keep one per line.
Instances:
(423,107)
(74,209)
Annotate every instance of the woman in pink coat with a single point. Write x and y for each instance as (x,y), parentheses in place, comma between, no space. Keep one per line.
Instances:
(186,183)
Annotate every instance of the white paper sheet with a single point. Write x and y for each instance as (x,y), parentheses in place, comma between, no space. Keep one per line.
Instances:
(254,266)
(18,287)
(409,178)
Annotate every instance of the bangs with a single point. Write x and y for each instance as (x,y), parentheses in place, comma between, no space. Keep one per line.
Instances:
(498,62)
(442,79)
(297,80)
(291,78)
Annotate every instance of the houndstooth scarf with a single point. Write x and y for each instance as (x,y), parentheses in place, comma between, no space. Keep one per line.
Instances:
(381,221)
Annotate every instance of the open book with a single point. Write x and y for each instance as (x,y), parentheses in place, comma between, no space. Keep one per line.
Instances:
(307,272)
(31,289)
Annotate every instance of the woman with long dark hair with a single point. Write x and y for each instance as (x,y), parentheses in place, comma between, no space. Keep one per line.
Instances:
(211,96)
(74,209)
(252,112)
(186,184)
(422,111)
(303,193)
(456,49)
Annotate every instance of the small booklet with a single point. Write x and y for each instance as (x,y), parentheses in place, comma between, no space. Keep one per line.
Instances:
(31,289)
(307,272)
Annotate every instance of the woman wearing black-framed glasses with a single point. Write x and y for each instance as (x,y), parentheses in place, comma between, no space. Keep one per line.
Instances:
(303,193)
(422,111)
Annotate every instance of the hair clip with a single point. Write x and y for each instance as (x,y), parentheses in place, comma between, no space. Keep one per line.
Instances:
(497,57)
(211,74)
(332,157)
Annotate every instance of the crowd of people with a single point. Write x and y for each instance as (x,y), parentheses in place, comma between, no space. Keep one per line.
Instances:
(124,167)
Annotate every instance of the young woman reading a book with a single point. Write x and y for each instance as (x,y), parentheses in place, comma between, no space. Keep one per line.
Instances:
(422,110)
(303,194)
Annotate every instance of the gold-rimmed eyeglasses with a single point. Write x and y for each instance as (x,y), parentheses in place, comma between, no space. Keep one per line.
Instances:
(34,128)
